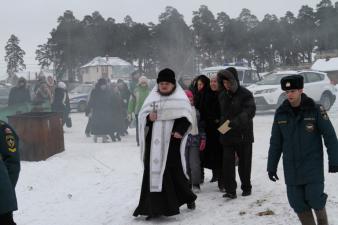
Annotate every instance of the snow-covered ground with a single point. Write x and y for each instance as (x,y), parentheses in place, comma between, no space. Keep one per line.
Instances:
(99,183)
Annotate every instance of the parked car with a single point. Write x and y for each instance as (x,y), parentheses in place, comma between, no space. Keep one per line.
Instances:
(78,97)
(246,75)
(269,95)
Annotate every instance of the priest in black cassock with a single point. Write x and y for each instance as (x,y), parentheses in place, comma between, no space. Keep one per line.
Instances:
(164,121)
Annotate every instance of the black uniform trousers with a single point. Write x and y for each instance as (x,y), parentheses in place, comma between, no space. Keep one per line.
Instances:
(244,153)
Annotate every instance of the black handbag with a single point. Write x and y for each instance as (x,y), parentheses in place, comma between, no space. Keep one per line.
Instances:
(69,122)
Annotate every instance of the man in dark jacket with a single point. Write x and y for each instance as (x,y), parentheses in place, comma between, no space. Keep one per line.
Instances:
(297,132)
(19,94)
(238,108)
(9,173)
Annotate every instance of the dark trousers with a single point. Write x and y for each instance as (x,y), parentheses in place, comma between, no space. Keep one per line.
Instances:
(7,219)
(244,153)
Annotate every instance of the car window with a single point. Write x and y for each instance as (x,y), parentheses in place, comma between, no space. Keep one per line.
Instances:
(82,89)
(250,77)
(240,75)
(313,77)
(273,79)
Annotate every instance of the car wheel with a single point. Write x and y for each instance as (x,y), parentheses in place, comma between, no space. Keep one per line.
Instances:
(325,101)
(82,107)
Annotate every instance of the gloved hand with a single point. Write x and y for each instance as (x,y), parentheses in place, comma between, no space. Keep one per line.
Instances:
(333,169)
(273,176)
(202,144)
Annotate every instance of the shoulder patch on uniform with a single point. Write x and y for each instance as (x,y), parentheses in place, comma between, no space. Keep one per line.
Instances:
(10,141)
(323,113)
(309,119)
(282,121)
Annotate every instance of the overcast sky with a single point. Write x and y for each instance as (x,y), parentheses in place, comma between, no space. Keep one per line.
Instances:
(32,20)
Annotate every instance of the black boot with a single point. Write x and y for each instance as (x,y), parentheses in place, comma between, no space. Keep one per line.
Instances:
(306,218)
(191,205)
(230,195)
(321,216)
(246,193)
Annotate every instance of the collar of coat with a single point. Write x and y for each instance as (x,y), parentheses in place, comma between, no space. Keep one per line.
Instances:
(305,104)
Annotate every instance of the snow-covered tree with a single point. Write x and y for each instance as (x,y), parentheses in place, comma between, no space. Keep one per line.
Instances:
(14,57)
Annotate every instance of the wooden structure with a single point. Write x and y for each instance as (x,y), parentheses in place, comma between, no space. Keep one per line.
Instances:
(40,134)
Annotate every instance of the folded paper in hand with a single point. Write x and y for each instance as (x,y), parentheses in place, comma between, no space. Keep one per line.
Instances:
(224,127)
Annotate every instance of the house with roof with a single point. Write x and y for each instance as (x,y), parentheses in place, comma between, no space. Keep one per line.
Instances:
(329,66)
(106,67)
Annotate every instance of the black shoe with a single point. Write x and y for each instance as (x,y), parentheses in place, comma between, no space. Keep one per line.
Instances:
(229,195)
(246,193)
(152,217)
(191,205)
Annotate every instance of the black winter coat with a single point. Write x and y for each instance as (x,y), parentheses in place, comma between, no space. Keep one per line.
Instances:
(61,102)
(213,150)
(18,95)
(103,104)
(239,108)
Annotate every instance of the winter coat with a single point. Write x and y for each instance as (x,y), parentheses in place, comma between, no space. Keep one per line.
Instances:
(213,150)
(18,95)
(299,138)
(239,108)
(61,102)
(42,93)
(199,96)
(9,168)
(137,99)
(103,105)
(124,93)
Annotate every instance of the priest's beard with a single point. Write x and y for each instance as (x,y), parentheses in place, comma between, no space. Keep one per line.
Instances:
(166,94)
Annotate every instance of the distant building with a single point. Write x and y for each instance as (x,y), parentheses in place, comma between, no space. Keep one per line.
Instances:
(329,66)
(106,67)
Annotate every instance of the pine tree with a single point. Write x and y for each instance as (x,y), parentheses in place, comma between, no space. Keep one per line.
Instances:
(14,57)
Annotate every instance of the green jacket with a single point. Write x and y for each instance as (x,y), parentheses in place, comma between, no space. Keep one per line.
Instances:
(9,168)
(137,99)
(299,138)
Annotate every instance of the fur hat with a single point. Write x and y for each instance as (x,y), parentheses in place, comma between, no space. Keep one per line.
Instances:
(166,75)
(292,82)
(62,85)
(143,79)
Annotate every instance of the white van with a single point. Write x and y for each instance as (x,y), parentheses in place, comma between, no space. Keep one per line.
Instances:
(246,75)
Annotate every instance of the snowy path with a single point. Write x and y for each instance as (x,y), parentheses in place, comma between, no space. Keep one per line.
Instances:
(94,184)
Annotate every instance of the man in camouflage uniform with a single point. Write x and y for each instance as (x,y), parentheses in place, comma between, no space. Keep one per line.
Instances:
(297,132)
(9,173)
